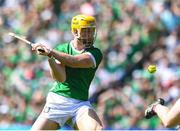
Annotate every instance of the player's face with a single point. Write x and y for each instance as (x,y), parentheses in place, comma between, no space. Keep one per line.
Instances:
(87,33)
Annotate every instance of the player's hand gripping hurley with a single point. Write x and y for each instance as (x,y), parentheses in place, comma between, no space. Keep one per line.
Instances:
(149,112)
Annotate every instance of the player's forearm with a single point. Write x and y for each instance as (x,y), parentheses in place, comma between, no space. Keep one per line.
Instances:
(57,71)
(162,113)
(66,59)
(69,60)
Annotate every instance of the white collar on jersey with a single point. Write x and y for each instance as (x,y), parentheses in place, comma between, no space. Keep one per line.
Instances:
(78,51)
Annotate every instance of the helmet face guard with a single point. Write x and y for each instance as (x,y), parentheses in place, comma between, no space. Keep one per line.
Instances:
(85,27)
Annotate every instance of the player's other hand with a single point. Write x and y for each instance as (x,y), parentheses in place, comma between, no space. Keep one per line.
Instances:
(149,112)
(40,49)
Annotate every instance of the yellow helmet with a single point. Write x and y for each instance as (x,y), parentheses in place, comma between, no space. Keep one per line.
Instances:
(86,26)
(83,21)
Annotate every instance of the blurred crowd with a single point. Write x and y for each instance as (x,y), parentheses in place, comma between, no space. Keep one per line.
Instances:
(131,34)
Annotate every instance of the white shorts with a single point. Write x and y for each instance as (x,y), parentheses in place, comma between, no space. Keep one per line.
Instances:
(60,109)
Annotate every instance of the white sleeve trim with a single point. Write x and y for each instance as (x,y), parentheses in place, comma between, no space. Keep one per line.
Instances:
(58,62)
(93,59)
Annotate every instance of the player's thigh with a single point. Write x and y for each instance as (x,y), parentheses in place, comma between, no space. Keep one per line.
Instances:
(89,120)
(44,124)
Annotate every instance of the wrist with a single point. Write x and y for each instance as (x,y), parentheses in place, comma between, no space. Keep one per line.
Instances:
(155,107)
(50,53)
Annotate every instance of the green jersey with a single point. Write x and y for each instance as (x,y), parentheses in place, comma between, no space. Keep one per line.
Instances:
(78,80)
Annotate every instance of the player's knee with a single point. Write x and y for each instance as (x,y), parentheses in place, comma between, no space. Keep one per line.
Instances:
(89,126)
(93,127)
(99,127)
(168,124)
